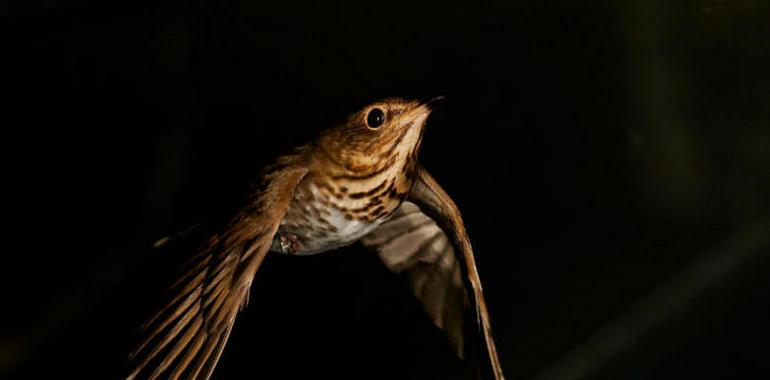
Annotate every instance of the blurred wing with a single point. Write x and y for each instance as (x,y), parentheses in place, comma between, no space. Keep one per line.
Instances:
(186,338)
(411,241)
(427,239)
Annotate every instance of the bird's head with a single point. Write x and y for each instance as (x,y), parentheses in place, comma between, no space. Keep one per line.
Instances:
(387,130)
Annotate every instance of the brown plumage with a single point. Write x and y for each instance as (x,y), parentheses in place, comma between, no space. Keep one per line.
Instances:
(358,181)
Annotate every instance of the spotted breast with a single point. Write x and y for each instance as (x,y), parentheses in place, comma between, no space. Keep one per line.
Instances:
(328,212)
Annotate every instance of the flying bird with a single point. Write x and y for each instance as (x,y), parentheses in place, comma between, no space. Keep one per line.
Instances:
(358,181)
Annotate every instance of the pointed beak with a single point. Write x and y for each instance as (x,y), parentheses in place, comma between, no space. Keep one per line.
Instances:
(421,111)
(430,103)
(417,115)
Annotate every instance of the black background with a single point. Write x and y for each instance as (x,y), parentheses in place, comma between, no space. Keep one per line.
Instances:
(598,151)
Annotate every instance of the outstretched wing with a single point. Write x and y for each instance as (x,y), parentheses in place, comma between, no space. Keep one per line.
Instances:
(427,239)
(185,339)
(412,242)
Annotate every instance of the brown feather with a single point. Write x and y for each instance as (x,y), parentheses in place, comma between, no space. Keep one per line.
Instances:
(199,318)
(427,239)
(192,351)
(435,202)
(412,242)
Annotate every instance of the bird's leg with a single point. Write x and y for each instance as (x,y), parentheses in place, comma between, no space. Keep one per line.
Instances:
(288,243)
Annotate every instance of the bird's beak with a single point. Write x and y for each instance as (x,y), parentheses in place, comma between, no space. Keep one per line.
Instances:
(418,114)
(430,103)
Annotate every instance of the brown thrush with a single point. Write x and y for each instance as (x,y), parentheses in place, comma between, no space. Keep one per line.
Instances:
(360,181)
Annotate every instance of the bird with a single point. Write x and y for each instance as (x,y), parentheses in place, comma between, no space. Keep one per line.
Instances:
(359,180)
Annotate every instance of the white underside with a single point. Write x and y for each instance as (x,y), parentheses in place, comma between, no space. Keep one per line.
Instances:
(348,232)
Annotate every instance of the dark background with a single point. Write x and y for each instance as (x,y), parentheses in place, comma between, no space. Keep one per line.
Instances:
(612,160)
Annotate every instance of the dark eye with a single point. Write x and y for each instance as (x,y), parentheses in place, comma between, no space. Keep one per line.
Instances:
(375,118)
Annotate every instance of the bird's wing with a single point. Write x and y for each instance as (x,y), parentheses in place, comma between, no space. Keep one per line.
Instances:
(186,337)
(426,238)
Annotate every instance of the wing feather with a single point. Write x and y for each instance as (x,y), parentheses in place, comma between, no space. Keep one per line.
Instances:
(426,238)
(186,338)
(411,242)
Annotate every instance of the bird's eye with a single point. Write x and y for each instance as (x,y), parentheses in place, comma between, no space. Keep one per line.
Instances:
(375,118)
